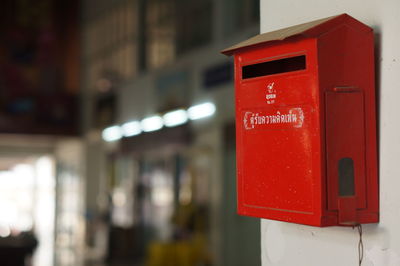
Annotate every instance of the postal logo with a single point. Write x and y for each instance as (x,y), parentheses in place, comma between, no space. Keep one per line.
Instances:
(270,95)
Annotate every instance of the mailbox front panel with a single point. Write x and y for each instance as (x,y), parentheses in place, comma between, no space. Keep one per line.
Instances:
(278,140)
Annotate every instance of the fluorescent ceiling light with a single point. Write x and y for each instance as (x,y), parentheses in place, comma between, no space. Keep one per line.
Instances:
(152,123)
(131,128)
(201,111)
(175,118)
(112,133)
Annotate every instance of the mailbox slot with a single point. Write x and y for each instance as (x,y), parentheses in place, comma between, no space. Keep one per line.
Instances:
(274,67)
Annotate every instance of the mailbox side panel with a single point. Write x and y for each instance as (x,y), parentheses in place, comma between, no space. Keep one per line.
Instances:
(277,130)
(346,69)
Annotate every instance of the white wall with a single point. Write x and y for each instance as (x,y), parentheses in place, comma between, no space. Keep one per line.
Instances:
(290,244)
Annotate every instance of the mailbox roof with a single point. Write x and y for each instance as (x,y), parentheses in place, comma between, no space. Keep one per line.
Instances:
(309,29)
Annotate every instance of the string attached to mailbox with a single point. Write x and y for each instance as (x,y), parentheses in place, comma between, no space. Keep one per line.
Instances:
(360,245)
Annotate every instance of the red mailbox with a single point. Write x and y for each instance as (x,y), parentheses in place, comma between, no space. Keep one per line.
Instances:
(305,124)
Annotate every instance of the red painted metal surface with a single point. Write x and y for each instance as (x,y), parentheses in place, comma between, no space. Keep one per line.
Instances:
(297,118)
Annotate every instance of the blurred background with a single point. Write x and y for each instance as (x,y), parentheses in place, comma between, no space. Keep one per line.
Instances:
(117,136)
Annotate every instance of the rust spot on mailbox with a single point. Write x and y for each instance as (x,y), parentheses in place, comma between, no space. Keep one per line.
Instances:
(306,125)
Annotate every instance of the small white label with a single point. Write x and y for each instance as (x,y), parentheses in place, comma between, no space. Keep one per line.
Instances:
(270,95)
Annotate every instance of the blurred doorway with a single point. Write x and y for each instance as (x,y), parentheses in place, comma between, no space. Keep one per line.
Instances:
(41,200)
(27,205)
